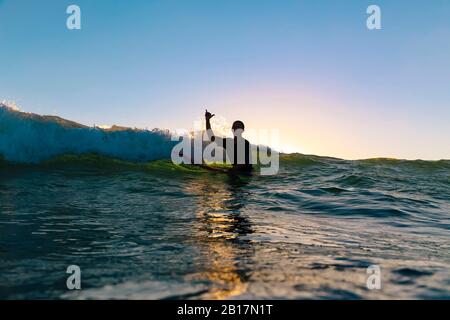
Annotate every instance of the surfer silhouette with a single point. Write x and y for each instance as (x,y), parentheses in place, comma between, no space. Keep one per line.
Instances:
(237,149)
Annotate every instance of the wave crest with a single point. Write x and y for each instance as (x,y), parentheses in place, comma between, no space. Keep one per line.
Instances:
(30,138)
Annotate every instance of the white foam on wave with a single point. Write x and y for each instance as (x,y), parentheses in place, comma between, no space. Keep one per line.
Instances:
(10,105)
(30,138)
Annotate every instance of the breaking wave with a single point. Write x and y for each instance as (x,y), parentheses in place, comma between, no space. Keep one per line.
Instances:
(30,138)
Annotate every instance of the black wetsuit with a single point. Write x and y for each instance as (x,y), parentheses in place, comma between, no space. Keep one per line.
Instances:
(246,166)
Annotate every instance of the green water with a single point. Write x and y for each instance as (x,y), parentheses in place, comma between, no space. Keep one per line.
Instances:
(160,231)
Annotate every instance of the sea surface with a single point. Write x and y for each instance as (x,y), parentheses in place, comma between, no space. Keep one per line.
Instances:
(157,230)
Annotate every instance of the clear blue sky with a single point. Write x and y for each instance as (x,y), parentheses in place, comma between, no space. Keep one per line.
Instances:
(309,68)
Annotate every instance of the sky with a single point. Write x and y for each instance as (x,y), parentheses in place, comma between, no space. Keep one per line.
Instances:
(310,69)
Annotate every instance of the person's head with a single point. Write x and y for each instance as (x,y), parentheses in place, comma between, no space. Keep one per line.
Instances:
(238,127)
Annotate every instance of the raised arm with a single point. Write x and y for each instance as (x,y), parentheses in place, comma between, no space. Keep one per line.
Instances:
(209,131)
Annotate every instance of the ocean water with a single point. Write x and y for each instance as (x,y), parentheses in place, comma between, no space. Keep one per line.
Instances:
(161,231)
(142,228)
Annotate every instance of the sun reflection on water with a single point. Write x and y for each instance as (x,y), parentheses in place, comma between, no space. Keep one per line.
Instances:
(219,233)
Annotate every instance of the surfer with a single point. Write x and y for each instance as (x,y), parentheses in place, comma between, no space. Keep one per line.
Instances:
(237,149)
